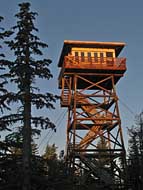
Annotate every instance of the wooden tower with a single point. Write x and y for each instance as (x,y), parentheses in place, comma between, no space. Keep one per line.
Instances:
(95,151)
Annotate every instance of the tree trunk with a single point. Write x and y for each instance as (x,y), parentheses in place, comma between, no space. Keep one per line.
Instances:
(27,152)
(27,143)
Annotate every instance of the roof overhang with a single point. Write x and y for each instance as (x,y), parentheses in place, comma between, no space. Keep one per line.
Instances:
(68,44)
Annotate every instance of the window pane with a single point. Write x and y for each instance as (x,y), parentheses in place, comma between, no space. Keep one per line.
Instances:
(101,55)
(95,57)
(76,53)
(89,56)
(76,56)
(109,54)
(82,56)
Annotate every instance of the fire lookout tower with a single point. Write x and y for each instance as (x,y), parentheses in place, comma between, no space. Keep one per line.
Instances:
(95,151)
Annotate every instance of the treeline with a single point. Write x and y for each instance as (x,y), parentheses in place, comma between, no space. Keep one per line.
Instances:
(135,154)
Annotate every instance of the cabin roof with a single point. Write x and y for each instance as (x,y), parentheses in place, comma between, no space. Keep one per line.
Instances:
(68,44)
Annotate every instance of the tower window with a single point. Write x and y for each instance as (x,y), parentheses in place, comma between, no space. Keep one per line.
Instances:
(95,57)
(82,56)
(76,56)
(89,56)
(101,57)
(109,54)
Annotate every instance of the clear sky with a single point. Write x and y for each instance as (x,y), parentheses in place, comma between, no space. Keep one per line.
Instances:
(104,20)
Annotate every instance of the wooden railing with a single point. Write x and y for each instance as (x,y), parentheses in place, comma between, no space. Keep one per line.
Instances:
(89,63)
(95,63)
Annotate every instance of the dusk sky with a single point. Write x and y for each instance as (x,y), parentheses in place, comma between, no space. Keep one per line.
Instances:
(92,20)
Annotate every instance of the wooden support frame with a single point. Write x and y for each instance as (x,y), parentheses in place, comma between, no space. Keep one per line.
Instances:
(94,114)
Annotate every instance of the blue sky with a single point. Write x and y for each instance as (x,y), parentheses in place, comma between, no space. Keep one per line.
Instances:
(95,20)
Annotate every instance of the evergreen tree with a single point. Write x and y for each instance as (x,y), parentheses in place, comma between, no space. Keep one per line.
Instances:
(50,152)
(56,168)
(24,71)
(102,145)
(135,163)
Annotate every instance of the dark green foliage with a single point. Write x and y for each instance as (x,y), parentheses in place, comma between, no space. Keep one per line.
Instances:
(135,160)
(11,176)
(3,79)
(4,93)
